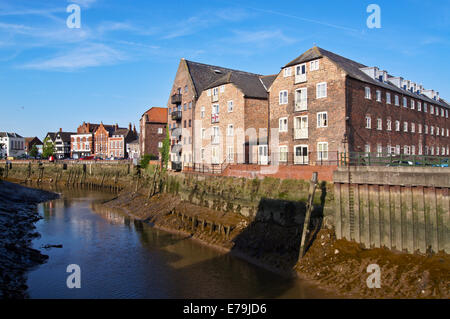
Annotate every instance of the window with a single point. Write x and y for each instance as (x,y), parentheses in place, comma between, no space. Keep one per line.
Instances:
(185,106)
(426,129)
(184,123)
(367,93)
(321,90)
(405,126)
(397,126)
(405,102)
(186,89)
(215,93)
(322,119)
(287,72)
(419,106)
(413,128)
(203,133)
(432,130)
(378,96)
(160,144)
(442,112)
(447,132)
(222,89)
(406,150)
(301,99)
(283,153)
(397,100)
(283,124)
(446,114)
(379,124)
(431,109)
(230,130)
(230,154)
(437,131)
(322,151)
(420,149)
(419,128)
(160,130)
(190,123)
(367,148)
(379,150)
(314,65)
(202,112)
(413,105)
(283,99)
(202,154)
(190,105)
(425,106)
(230,106)
(413,150)
(388,98)
(389,125)
(397,149)
(368,122)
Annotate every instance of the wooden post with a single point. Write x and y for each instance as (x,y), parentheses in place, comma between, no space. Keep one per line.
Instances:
(309,207)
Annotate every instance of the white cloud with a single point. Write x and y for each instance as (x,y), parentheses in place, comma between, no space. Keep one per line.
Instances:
(90,56)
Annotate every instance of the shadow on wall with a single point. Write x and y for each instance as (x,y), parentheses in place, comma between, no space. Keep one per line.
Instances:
(275,234)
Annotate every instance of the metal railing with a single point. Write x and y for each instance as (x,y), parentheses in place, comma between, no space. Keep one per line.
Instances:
(384,159)
(206,168)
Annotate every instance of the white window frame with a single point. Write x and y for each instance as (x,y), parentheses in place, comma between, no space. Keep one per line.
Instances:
(321,93)
(368,122)
(281,129)
(283,97)
(230,130)
(286,148)
(230,106)
(321,154)
(314,65)
(388,98)
(397,100)
(367,93)
(301,104)
(379,124)
(389,125)
(321,119)
(287,72)
(378,93)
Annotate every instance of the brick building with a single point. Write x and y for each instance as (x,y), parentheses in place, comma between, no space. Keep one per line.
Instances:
(117,142)
(153,126)
(322,103)
(33,141)
(232,120)
(101,136)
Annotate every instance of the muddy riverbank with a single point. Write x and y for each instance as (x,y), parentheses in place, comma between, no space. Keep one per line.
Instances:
(335,265)
(18,215)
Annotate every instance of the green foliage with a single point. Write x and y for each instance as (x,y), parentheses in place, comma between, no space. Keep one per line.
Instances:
(34,151)
(165,150)
(48,149)
(145,160)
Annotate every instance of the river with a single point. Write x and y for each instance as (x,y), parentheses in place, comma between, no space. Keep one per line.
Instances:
(123,258)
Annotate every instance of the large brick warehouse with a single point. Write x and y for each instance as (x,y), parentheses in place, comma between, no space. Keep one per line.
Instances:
(318,106)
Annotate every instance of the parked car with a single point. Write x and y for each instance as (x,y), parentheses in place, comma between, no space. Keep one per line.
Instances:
(88,158)
(443,163)
(400,163)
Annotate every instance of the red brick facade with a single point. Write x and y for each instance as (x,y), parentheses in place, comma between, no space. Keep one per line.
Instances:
(153,125)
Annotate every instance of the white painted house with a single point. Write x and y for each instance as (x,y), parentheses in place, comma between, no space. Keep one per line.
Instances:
(12,144)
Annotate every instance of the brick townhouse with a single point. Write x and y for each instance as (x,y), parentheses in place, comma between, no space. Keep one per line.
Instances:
(322,103)
(190,81)
(153,126)
(82,143)
(232,124)
(117,142)
(101,136)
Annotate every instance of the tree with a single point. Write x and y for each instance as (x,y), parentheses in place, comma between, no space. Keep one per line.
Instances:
(34,151)
(165,150)
(48,149)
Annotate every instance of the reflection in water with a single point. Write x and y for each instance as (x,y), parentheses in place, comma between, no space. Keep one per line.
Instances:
(124,258)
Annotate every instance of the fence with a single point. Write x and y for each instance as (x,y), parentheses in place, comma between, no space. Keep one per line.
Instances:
(383,159)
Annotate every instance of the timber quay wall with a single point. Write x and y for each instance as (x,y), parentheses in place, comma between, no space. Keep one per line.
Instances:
(401,208)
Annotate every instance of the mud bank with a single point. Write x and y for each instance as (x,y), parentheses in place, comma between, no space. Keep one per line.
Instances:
(334,265)
(17,217)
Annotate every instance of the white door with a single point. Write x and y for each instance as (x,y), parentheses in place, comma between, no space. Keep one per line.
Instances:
(214,155)
(301,155)
(300,127)
(301,99)
(263,155)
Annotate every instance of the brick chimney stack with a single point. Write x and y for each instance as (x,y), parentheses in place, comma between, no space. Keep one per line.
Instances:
(60,130)
(129,127)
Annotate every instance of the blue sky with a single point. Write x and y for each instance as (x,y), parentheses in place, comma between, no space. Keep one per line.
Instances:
(124,57)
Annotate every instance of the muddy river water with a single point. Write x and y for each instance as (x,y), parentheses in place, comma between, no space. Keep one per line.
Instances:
(122,258)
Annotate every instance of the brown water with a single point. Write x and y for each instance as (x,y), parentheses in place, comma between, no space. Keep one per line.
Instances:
(123,258)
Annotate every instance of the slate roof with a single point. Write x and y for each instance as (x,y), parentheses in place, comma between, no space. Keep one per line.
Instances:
(250,84)
(6,134)
(65,136)
(352,69)
(52,136)
(203,75)
(267,80)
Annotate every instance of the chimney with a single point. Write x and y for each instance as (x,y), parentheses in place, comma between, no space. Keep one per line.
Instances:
(60,130)
(129,127)
(134,129)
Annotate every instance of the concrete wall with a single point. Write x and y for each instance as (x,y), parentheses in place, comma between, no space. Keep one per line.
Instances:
(407,209)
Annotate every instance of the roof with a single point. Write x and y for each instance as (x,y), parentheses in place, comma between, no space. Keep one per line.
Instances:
(267,80)
(157,115)
(52,136)
(353,70)
(6,134)
(31,139)
(203,74)
(65,136)
(250,84)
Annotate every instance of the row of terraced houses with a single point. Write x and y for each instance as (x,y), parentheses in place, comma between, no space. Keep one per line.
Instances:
(318,106)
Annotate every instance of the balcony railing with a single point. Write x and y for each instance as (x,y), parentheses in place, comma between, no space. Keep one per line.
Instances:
(215,139)
(300,133)
(176,132)
(300,78)
(301,105)
(176,115)
(214,98)
(176,99)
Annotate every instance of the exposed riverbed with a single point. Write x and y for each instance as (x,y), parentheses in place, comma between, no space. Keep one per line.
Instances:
(123,258)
